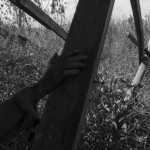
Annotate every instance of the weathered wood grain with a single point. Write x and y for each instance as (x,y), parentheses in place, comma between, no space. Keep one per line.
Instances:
(65,109)
(139,27)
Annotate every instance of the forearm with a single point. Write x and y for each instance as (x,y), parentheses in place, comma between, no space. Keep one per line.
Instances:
(10,117)
(38,92)
(44,86)
(16,111)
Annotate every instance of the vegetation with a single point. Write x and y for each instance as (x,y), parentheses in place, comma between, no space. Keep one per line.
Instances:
(113,121)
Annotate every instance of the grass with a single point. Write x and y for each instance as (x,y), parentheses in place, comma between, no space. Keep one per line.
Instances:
(111,123)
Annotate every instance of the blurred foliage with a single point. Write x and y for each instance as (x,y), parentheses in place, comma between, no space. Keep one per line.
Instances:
(118,116)
(12,14)
(116,120)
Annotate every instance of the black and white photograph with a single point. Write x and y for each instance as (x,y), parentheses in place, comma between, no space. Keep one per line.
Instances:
(74,74)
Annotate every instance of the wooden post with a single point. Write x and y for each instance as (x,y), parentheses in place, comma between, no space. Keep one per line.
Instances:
(38,14)
(139,28)
(65,109)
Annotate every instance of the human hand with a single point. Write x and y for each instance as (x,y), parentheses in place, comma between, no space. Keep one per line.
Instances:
(59,68)
(24,99)
(64,66)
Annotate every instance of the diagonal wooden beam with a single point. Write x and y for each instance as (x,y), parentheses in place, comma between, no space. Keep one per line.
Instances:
(139,28)
(64,114)
(38,14)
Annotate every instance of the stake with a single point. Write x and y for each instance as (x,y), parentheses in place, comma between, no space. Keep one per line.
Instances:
(64,114)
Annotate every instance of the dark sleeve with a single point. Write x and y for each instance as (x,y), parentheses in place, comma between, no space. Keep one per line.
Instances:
(17,113)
